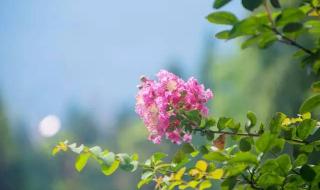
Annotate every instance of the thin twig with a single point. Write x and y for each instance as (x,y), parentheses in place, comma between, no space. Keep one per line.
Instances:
(283,39)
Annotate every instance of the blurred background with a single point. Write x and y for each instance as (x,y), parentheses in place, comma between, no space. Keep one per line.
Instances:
(69,70)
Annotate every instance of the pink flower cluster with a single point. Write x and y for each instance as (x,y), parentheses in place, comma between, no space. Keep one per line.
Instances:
(158,102)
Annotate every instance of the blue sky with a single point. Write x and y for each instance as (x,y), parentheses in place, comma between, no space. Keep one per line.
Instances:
(61,52)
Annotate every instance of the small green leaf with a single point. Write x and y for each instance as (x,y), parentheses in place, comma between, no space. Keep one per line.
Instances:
(110,169)
(187,148)
(222,17)
(307,173)
(82,161)
(158,156)
(252,118)
(251,5)
(301,160)
(269,179)
(215,156)
(305,128)
(265,142)
(244,157)
(143,182)
(310,104)
(220,3)
(292,27)
(244,144)
(224,35)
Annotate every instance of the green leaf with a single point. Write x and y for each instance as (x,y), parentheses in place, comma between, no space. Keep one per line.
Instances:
(276,123)
(306,128)
(301,160)
(235,169)
(222,17)
(275,3)
(243,157)
(316,86)
(266,39)
(248,26)
(284,163)
(187,148)
(244,144)
(310,104)
(224,122)
(264,142)
(313,26)
(269,179)
(251,5)
(292,27)
(223,34)
(143,182)
(252,118)
(307,173)
(215,156)
(82,160)
(147,174)
(289,15)
(250,41)
(158,156)
(110,169)
(220,3)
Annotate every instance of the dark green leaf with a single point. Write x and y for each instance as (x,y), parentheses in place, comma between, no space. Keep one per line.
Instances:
(310,104)
(307,173)
(276,122)
(292,27)
(251,5)
(244,144)
(220,3)
(306,128)
(275,3)
(222,17)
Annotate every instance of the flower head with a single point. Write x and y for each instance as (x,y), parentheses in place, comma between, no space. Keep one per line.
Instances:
(159,102)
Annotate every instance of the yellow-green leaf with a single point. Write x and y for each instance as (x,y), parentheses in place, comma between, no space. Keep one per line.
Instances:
(81,161)
(216,174)
(202,165)
(108,170)
(179,174)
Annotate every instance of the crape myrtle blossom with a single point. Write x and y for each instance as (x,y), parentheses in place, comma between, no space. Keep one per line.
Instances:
(159,101)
